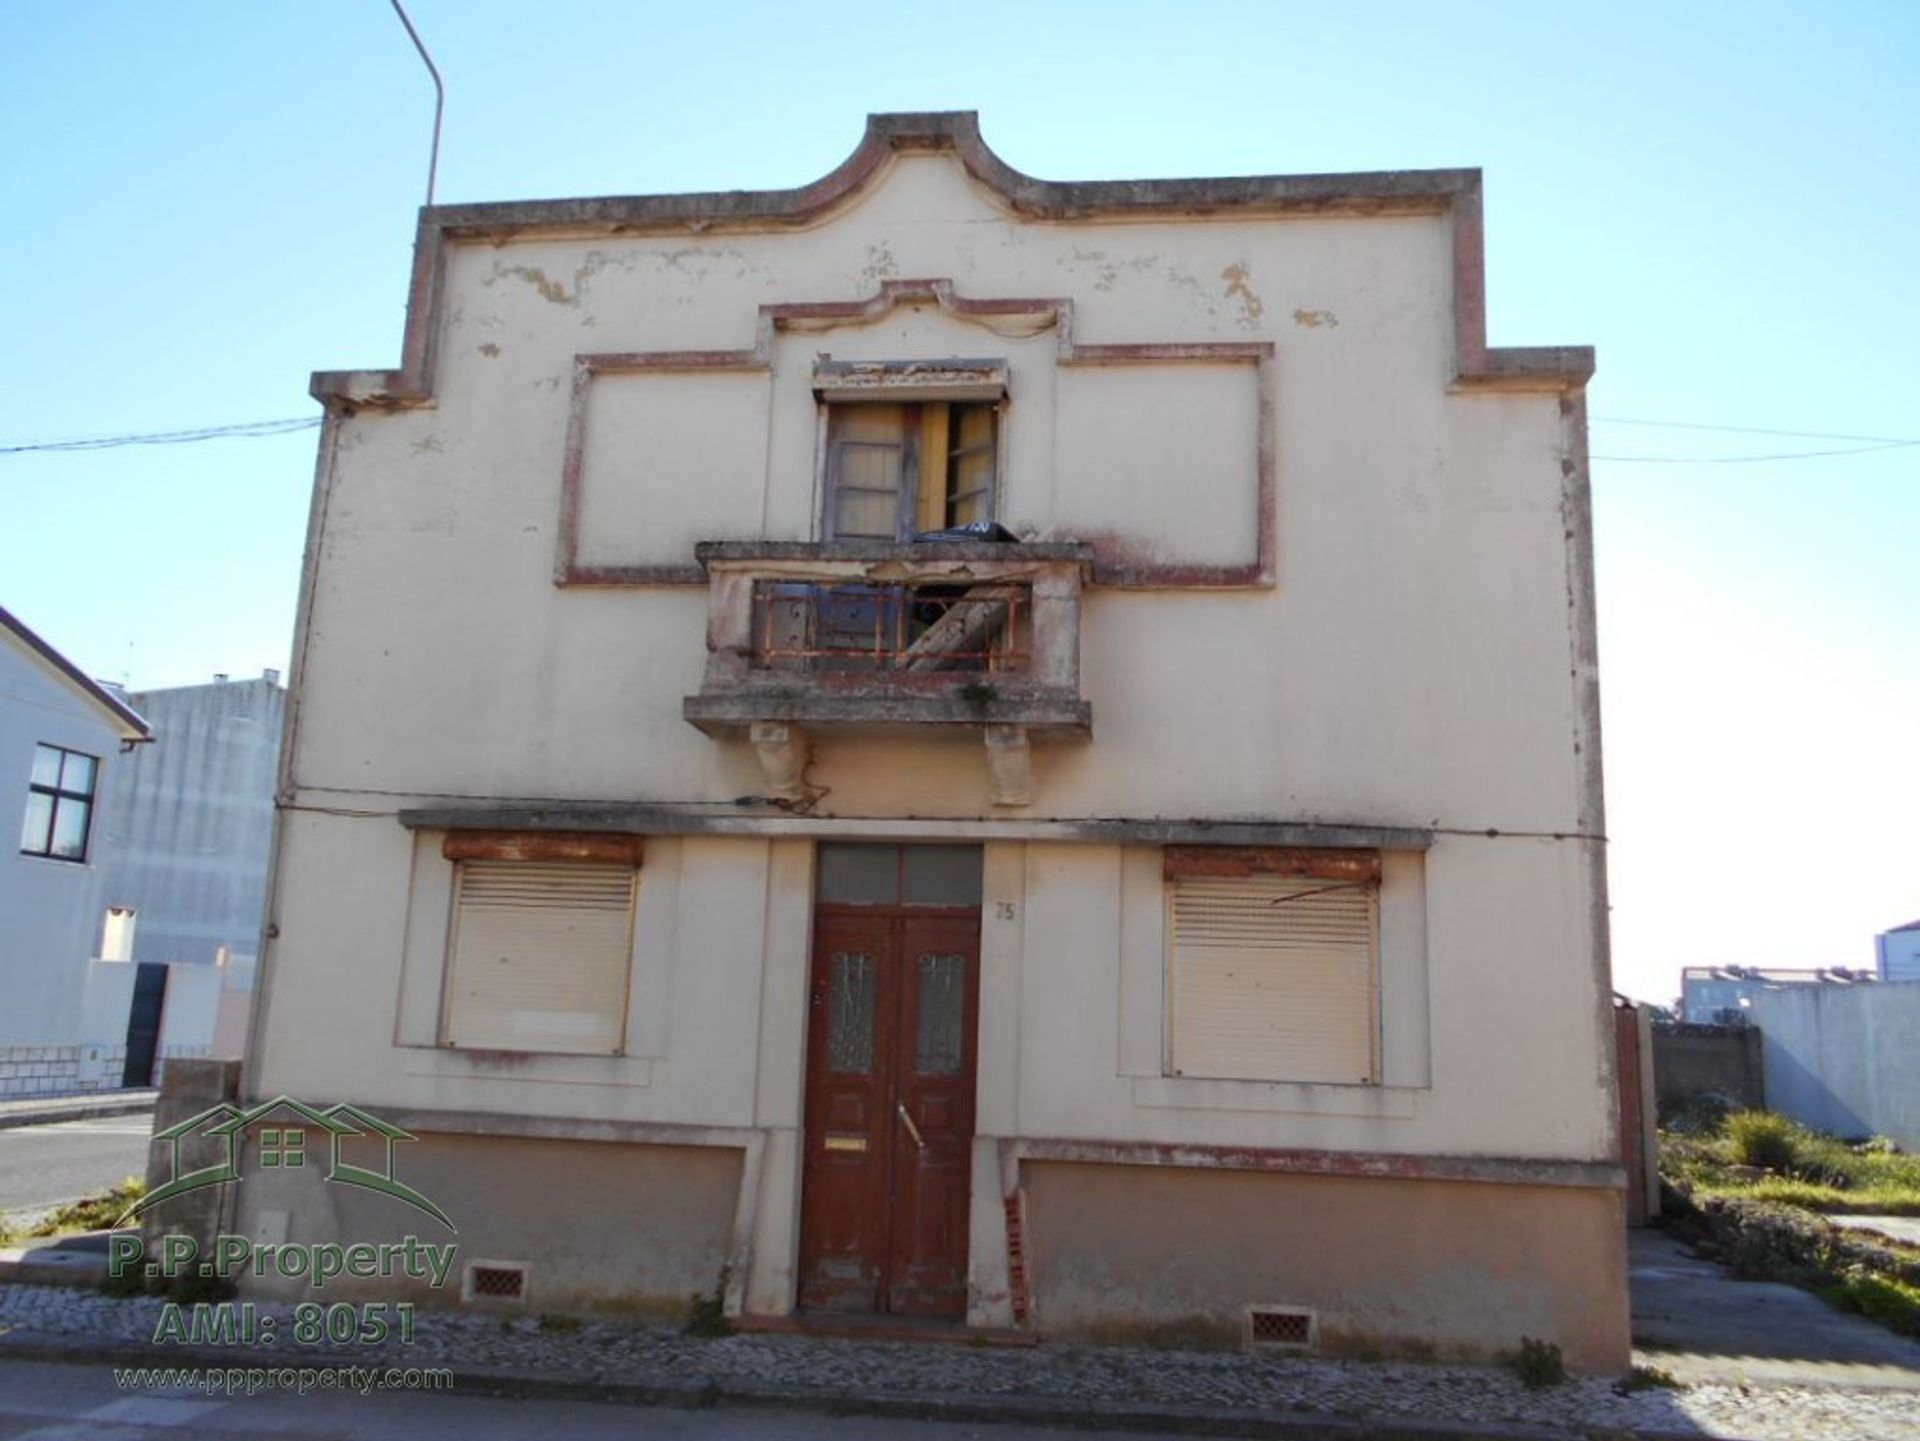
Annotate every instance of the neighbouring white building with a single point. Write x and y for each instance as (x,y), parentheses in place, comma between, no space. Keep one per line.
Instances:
(188,826)
(1724,995)
(64,1023)
(1897,953)
(1169,902)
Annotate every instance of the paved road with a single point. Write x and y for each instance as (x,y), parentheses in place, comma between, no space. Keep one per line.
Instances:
(1692,1318)
(1896,1228)
(46,1402)
(41,1166)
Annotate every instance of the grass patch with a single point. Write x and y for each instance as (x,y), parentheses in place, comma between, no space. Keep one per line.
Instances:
(707,1315)
(1754,1192)
(1894,1304)
(95,1213)
(1759,1138)
(1873,1200)
(1760,1156)
(1538,1364)
(1647,1378)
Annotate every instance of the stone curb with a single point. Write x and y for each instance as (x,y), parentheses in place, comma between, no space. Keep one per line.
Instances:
(41,1262)
(86,1110)
(680,1394)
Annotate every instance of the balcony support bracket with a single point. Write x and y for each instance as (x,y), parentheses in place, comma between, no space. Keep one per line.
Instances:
(1009,766)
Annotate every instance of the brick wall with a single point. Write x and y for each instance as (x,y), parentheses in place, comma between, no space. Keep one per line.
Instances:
(29,1071)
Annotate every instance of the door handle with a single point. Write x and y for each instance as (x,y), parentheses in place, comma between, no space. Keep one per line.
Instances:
(912,1130)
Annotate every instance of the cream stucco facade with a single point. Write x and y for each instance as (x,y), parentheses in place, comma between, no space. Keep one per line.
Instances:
(1320,583)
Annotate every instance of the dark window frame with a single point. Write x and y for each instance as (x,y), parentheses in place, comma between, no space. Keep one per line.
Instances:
(60,796)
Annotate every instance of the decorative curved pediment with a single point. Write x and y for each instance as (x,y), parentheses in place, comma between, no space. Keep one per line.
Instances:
(1455,193)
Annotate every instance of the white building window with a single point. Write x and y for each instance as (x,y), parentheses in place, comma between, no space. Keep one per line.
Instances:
(539,956)
(1273,976)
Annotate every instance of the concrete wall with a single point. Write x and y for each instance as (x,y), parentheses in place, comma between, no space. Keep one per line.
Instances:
(188,820)
(192,1010)
(1449,1271)
(230,1023)
(107,1002)
(1695,1061)
(1428,523)
(51,911)
(720,953)
(1845,1059)
(633,1229)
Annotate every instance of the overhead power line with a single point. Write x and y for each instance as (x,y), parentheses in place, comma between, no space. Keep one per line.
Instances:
(1750,459)
(1866,443)
(1755,430)
(246,430)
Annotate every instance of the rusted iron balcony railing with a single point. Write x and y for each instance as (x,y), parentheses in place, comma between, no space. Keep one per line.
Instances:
(942,633)
(911,627)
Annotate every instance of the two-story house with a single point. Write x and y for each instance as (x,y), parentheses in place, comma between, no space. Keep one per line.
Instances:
(961,748)
(64,1023)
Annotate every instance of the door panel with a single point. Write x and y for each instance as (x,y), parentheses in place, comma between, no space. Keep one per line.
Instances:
(843,1229)
(892,1037)
(933,1158)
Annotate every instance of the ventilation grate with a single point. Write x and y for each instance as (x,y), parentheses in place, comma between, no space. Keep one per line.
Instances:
(1018,1292)
(1284,1327)
(496,1281)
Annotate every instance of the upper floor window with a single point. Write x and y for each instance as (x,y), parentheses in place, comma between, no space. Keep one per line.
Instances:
(59,815)
(899,470)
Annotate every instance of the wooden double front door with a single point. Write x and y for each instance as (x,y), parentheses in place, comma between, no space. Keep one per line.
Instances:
(891,1045)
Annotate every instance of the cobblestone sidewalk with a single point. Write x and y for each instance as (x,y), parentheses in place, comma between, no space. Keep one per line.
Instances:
(1100,1383)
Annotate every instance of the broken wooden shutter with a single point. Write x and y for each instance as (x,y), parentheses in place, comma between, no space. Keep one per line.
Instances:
(869,471)
(539,957)
(1273,979)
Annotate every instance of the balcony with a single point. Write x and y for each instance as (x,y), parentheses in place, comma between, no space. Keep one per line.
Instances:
(862,637)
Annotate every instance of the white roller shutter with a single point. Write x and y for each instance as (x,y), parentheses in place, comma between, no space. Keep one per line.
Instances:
(1273,979)
(539,958)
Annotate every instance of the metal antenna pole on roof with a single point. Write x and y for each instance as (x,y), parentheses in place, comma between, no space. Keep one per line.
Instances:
(439,96)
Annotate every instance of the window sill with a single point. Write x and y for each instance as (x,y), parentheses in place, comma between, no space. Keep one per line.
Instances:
(551,1067)
(1305,1098)
(80,861)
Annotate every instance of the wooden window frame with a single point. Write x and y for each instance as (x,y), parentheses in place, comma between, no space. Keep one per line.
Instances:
(928,391)
(927,425)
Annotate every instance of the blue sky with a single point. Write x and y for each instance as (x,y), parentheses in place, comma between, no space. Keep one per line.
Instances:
(214,199)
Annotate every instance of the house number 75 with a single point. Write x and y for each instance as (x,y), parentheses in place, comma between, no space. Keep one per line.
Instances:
(1003,910)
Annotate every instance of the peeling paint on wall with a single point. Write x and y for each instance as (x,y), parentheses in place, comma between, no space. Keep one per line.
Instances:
(1314,319)
(550,290)
(881,264)
(1251,305)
